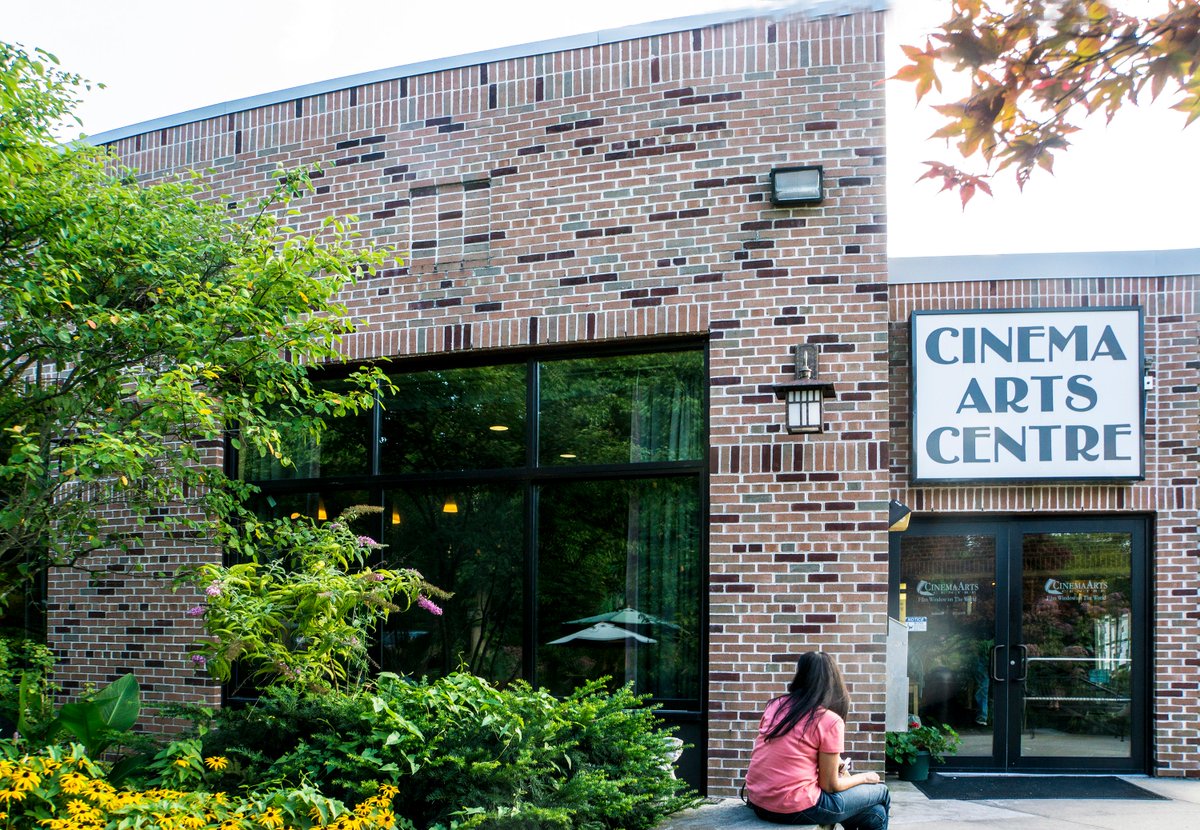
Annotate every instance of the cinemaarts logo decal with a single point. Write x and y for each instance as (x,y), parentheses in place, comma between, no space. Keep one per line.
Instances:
(1076,590)
(943,590)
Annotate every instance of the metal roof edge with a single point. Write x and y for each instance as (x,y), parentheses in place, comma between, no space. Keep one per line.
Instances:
(814,8)
(1162,263)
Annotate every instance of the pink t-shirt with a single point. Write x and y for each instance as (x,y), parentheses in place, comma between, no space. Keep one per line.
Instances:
(783,771)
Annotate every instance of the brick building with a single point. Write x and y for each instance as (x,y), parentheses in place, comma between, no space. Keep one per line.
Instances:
(1085,562)
(598,306)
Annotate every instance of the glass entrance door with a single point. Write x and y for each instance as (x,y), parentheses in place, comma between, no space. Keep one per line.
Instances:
(1026,636)
(1075,659)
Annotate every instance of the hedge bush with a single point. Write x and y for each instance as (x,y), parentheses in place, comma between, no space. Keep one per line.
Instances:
(462,752)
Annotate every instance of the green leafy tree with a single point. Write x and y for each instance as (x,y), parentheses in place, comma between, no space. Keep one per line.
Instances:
(1036,68)
(142,324)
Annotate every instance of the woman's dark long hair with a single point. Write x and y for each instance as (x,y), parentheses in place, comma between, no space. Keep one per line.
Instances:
(818,684)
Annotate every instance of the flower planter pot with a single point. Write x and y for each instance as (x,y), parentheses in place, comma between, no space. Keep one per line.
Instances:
(918,770)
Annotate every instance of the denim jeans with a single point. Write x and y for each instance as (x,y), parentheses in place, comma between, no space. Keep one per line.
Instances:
(864,807)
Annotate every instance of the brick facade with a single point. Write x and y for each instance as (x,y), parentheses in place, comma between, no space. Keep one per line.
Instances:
(614,192)
(1171,308)
(618,192)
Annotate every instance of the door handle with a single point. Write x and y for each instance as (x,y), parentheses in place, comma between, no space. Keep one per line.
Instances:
(1023,668)
(994,665)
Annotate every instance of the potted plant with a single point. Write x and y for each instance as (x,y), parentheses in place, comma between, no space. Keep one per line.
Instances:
(913,750)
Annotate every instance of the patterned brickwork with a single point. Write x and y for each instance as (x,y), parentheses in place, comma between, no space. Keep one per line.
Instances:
(620,192)
(1169,493)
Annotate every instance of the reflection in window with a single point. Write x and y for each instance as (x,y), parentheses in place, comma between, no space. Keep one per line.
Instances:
(467,541)
(322,506)
(948,596)
(618,585)
(469,503)
(455,419)
(344,448)
(620,410)
(1077,623)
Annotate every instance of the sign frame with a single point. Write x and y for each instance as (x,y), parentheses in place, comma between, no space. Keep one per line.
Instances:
(919,475)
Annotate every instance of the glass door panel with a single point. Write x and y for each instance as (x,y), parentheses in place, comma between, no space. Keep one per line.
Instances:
(948,599)
(1077,635)
(1028,637)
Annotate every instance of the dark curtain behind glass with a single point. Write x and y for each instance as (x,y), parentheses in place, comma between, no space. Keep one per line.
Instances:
(625,553)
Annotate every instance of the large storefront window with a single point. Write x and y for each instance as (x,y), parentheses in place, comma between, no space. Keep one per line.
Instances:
(560,501)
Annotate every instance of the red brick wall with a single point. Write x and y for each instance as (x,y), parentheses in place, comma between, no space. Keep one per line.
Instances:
(621,192)
(1172,321)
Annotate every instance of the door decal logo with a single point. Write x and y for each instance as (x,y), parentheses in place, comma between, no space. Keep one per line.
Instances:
(947,591)
(1076,590)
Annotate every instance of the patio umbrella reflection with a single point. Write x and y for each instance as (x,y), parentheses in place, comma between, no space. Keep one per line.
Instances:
(626,616)
(602,632)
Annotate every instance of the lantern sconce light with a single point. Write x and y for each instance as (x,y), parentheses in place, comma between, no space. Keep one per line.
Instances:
(805,395)
(797,185)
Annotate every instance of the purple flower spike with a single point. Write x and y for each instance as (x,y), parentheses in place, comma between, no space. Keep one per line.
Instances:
(196,611)
(428,604)
(213,590)
(199,660)
(366,541)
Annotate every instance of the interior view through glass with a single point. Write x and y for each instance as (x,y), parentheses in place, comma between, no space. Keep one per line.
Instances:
(1028,652)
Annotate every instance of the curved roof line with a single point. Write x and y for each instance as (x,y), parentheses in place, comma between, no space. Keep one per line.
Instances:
(813,8)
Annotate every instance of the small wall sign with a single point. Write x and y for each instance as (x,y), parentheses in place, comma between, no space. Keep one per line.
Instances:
(1027,395)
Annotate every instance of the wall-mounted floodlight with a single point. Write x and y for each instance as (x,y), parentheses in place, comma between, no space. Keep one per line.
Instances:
(797,185)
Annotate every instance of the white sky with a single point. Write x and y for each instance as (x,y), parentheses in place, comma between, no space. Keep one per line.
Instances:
(1121,188)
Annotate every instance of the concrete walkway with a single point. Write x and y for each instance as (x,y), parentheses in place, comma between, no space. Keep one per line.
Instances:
(911,810)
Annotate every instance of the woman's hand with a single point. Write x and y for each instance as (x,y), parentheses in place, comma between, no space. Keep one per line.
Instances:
(831,779)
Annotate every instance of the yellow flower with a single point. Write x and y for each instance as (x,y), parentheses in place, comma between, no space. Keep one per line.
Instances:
(73,783)
(80,808)
(25,779)
(271,818)
(216,762)
(182,762)
(11,795)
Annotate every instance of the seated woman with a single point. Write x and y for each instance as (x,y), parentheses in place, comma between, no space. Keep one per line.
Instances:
(796,774)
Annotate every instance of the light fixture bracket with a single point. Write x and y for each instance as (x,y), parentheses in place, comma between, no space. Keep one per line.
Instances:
(806,374)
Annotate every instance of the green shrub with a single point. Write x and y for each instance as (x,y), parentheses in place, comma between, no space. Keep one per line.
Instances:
(31,661)
(462,752)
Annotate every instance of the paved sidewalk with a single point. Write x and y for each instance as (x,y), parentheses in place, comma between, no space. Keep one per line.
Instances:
(911,810)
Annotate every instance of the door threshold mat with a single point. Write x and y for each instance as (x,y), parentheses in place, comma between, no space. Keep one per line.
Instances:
(996,787)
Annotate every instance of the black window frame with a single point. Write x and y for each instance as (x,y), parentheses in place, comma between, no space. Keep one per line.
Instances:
(530,477)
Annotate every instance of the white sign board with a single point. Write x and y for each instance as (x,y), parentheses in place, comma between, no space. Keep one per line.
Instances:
(1027,395)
